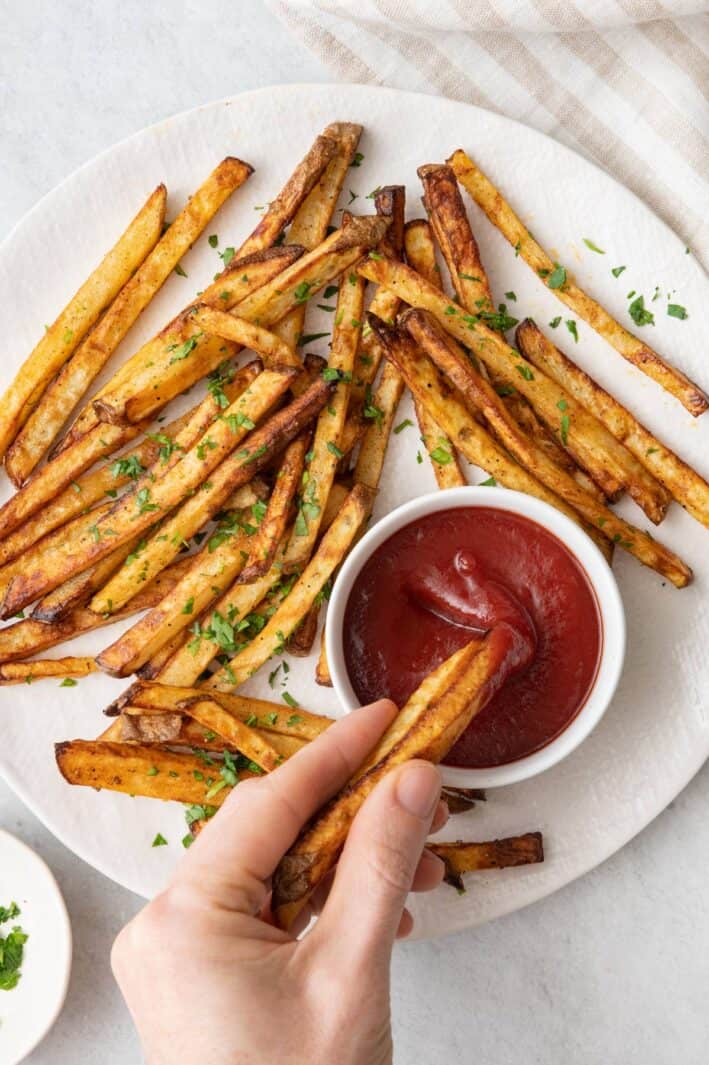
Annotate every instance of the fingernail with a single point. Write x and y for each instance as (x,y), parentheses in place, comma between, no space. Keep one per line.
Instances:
(418,789)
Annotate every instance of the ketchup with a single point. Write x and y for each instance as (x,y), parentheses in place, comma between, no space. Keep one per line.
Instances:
(451,576)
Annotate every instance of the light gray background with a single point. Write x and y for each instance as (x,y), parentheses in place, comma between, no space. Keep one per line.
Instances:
(610,971)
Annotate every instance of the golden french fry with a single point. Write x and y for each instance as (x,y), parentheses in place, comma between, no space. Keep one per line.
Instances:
(77,590)
(238,279)
(427,726)
(555,277)
(142,770)
(276,353)
(460,857)
(263,546)
(687,486)
(325,452)
(267,716)
(370,461)
(234,471)
(31,636)
(80,313)
(144,726)
(247,740)
(590,443)
(322,669)
(300,644)
(45,669)
(451,361)
(88,360)
(332,549)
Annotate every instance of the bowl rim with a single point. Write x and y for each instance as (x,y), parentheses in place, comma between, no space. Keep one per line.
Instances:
(586,553)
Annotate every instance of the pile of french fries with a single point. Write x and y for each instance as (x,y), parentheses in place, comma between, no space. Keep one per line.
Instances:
(219,531)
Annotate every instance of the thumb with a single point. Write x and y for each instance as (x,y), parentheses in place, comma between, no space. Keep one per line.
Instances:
(380,857)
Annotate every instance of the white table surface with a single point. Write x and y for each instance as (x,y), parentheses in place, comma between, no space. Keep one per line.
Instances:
(610,971)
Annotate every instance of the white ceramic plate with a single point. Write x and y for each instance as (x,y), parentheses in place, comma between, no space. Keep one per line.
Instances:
(30,1009)
(656,734)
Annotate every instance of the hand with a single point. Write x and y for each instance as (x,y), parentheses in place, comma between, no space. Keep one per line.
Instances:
(208,979)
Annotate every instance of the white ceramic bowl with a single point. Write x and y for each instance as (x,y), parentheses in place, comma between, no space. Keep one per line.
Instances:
(597,570)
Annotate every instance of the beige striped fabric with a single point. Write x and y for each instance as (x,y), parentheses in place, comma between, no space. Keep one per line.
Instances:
(625,82)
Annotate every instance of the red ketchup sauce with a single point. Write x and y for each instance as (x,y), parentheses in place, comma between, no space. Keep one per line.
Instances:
(447,577)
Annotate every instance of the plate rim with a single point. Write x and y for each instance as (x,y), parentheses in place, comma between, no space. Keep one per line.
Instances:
(653,808)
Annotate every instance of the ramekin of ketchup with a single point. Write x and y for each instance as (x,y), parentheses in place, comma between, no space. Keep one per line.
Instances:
(450,567)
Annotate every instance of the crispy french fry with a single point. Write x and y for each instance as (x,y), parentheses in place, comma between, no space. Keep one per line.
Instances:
(451,360)
(79,589)
(152,668)
(262,548)
(158,379)
(140,770)
(31,636)
(421,257)
(322,669)
(62,470)
(641,355)
(276,353)
(460,857)
(370,461)
(460,800)
(301,642)
(325,453)
(141,727)
(247,740)
(237,280)
(437,712)
(89,359)
(687,486)
(81,312)
(310,223)
(269,717)
(590,443)
(235,470)
(44,669)
(331,550)
(449,220)
(210,572)
(295,191)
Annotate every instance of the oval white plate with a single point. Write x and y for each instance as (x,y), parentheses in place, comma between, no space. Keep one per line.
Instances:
(30,1009)
(655,735)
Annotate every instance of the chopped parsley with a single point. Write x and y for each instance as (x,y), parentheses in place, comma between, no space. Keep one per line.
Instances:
(676,310)
(213,240)
(11,949)
(189,606)
(181,351)
(227,255)
(130,466)
(160,840)
(142,500)
(330,291)
(402,425)
(564,429)
(571,326)
(68,682)
(618,270)
(489,483)
(524,371)
(593,247)
(557,278)
(555,322)
(309,338)
(302,291)
(179,271)
(334,449)
(167,446)
(294,705)
(332,374)
(370,409)
(357,159)
(639,312)
(441,455)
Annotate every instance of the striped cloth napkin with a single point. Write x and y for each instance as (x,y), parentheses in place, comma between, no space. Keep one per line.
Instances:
(622,81)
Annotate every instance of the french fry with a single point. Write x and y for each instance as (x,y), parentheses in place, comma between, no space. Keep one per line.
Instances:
(325,453)
(157,379)
(248,741)
(77,590)
(332,549)
(207,577)
(138,510)
(310,223)
(234,471)
(641,355)
(141,770)
(270,717)
(300,644)
(293,194)
(31,636)
(263,546)
(238,279)
(143,727)
(276,353)
(594,448)
(370,461)
(44,669)
(88,360)
(460,800)
(322,669)
(390,202)
(62,470)
(460,857)
(152,668)
(421,257)
(436,714)
(687,486)
(451,360)
(456,240)
(81,312)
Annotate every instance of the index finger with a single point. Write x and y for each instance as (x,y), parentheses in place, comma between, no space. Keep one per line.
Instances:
(238,851)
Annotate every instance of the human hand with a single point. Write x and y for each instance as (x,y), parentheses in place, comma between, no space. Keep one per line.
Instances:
(208,979)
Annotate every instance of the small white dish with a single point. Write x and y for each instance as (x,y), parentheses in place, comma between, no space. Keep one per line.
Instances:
(601,579)
(29,1010)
